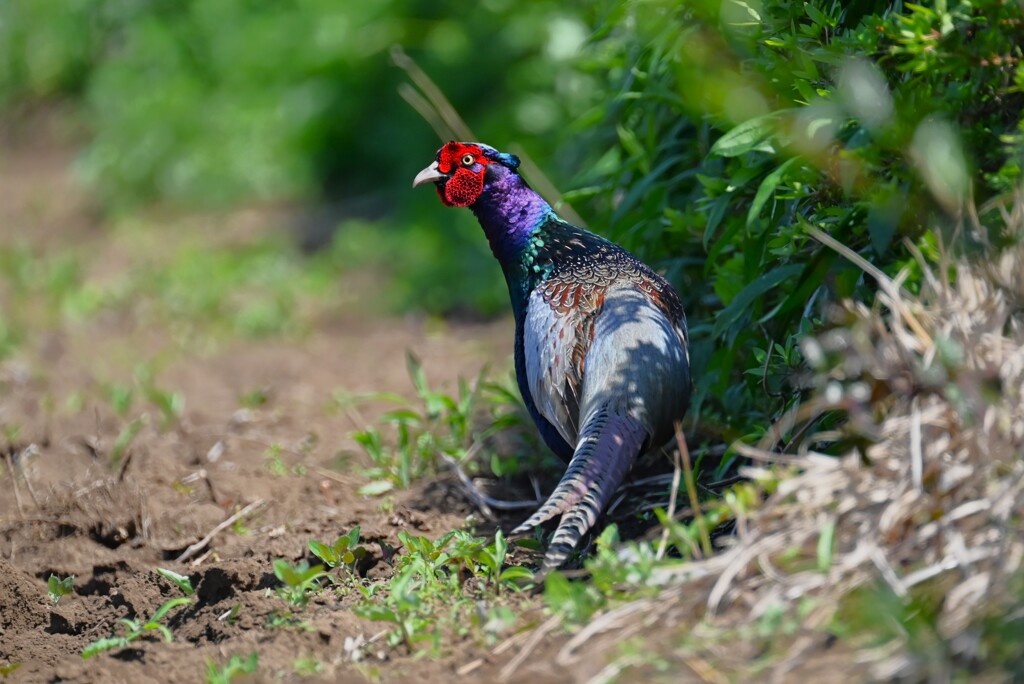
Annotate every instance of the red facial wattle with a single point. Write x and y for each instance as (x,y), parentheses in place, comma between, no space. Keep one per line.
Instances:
(463,188)
(466,181)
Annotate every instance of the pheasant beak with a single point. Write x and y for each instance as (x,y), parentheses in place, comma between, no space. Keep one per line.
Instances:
(431,173)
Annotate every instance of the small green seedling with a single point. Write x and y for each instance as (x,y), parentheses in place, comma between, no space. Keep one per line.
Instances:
(307,666)
(234,667)
(135,630)
(275,460)
(492,558)
(344,551)
(125,438)
(120,398)
(255,399)
(8,669)
(232,615)
(57,587)
(578,601)
(404,608)
(171,405)
(183,582)
(299,580)
(454,575)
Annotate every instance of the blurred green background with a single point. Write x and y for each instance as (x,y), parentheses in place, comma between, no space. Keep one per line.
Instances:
(709,137)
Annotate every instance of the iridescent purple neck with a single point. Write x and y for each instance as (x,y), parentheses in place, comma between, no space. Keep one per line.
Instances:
(509,212)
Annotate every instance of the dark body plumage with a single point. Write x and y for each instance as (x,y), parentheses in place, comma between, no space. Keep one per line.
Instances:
(601,343)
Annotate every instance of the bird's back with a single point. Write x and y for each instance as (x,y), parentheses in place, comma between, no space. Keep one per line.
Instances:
(599,328)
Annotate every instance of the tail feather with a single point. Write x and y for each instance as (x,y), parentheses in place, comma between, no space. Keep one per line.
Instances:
(608,445)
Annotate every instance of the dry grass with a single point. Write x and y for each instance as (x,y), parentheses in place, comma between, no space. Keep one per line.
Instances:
(896,551)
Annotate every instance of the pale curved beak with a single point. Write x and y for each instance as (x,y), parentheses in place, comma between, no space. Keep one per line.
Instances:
(431,173)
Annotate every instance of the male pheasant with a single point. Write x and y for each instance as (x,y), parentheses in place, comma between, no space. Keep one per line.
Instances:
(601,343)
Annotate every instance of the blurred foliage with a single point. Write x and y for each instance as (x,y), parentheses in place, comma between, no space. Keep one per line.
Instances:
(214,104)
(198,292)
(220,102)
(705,136)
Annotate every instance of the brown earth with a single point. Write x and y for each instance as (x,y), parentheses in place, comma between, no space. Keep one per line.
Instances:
(65,511)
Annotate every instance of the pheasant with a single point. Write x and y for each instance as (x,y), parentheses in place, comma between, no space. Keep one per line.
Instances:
(601,346)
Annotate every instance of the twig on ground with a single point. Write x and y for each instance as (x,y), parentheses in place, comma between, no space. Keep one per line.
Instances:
(472,665)
(199,561)
(612,620)
(691,490)
(677,473)
(14,482)
(535,638)
(201,544)
(509,642)
(322,472)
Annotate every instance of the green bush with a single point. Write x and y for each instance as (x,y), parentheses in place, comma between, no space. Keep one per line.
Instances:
(731,128)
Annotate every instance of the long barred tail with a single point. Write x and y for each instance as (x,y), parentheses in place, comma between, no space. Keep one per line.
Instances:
(608,445)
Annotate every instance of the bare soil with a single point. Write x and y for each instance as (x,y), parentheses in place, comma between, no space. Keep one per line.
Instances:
(64,510)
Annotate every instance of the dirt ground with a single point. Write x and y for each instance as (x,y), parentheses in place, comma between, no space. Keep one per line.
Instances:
(64,511)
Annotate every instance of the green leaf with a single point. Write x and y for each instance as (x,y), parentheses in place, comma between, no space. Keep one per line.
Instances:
(500,547)
(419,377)
(169,606)
(715,216)
(741,303)
(376,488)
(826,545)
(515,573)
(810,280)
(323,552)
(101,645)
(183,582)
(750,136)
(56,587)
(766,190)
(377,612)
(818,17)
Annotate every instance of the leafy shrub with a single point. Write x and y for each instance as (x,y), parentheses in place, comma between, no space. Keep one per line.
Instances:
(733,130)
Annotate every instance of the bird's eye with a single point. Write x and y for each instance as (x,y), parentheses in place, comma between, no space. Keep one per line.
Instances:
(467,160)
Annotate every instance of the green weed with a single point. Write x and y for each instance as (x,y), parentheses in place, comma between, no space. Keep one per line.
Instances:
(236,666)
(438,584)
(254,399)
(183,582)
(438,427)
(57,588)
(11,432)
(345,551)
(299,580)
(120,397)
(135,630)
(170,405)
(125,438)
(307,667)
(274,456)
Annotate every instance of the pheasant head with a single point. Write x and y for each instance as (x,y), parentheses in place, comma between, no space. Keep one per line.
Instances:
(462,170)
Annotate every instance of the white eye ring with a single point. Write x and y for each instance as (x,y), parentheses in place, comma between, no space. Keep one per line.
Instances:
(467,160)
